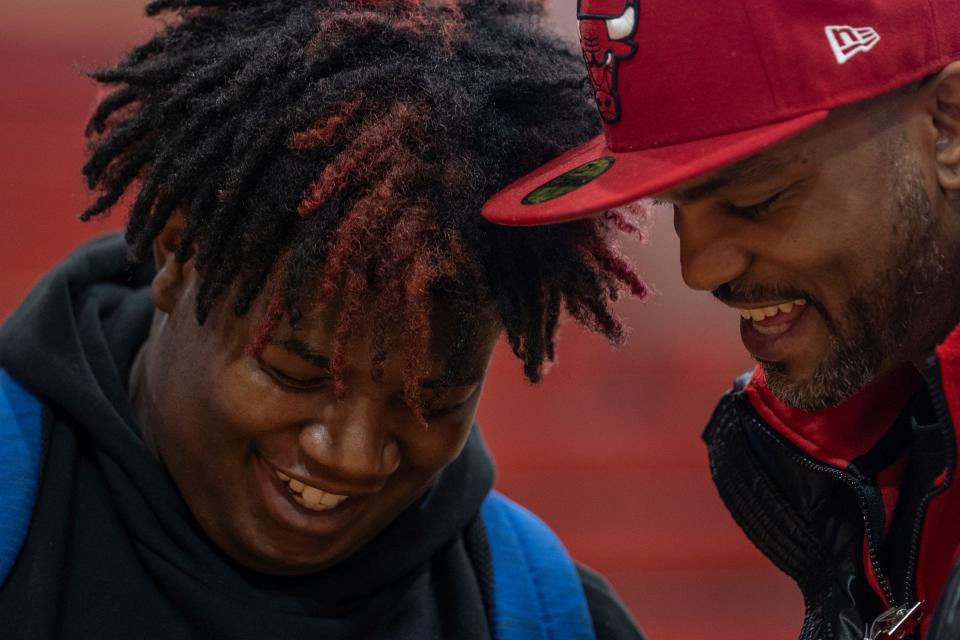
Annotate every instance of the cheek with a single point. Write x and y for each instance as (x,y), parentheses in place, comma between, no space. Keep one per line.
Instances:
(248,399)
(428,450)
(856,210)
(221,410)
(834,236)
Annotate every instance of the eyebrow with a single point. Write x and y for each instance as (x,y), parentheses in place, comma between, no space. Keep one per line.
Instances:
(753,169)
(302,349)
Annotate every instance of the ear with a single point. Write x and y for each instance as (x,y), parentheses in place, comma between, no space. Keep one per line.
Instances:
(946,119)
(170,282)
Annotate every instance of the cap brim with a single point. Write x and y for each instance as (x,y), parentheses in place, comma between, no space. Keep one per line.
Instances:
(591,178)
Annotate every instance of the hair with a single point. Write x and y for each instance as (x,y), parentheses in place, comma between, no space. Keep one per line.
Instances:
(343,149)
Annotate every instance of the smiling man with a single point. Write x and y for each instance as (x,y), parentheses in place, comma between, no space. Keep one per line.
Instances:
(253,416)
(811,153)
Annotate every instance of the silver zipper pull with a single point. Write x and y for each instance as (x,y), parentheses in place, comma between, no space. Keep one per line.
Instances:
(896,623)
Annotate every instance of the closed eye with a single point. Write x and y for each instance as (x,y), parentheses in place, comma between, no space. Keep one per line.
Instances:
(294,383)
(434,413)
(754,211)
(447,402)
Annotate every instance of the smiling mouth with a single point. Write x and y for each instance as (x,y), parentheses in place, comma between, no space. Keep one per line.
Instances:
(775,319)
(308,496)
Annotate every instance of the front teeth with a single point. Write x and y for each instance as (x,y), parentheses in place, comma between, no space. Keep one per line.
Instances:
(768,312)
(311,497)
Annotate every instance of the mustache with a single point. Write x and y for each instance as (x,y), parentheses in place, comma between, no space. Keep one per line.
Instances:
(754,293)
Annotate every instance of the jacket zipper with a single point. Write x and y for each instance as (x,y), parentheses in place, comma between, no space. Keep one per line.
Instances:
(854,483)
(935,385)
(943,418)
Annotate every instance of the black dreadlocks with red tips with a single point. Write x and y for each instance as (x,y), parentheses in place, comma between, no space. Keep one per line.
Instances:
(291,132)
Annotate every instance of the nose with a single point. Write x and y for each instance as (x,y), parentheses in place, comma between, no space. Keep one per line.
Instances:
(713,246)
(354,443)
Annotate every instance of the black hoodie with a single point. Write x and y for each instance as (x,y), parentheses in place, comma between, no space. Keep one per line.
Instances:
(114,552)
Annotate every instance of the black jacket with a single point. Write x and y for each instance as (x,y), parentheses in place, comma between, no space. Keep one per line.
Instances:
(113,551)
(812,519)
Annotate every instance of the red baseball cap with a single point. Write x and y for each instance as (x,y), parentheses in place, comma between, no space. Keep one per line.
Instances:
(685,87)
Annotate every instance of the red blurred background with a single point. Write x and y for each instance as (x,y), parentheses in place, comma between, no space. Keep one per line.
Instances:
(607,449)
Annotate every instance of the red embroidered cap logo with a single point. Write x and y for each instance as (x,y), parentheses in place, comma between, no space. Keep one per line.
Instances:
(607,32)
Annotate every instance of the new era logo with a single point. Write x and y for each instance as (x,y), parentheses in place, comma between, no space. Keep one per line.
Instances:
(847,42)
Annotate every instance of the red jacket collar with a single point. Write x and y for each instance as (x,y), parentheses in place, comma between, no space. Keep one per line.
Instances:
(840,434)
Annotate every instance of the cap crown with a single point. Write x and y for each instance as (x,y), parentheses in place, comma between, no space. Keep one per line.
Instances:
(668,72)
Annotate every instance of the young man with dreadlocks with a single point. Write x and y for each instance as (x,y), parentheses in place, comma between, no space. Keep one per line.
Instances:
(261,426)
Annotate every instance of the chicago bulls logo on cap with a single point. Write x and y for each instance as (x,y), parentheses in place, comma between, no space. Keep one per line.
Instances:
(607,32)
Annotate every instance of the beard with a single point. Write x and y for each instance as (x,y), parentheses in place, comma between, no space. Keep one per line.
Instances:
(879,318)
